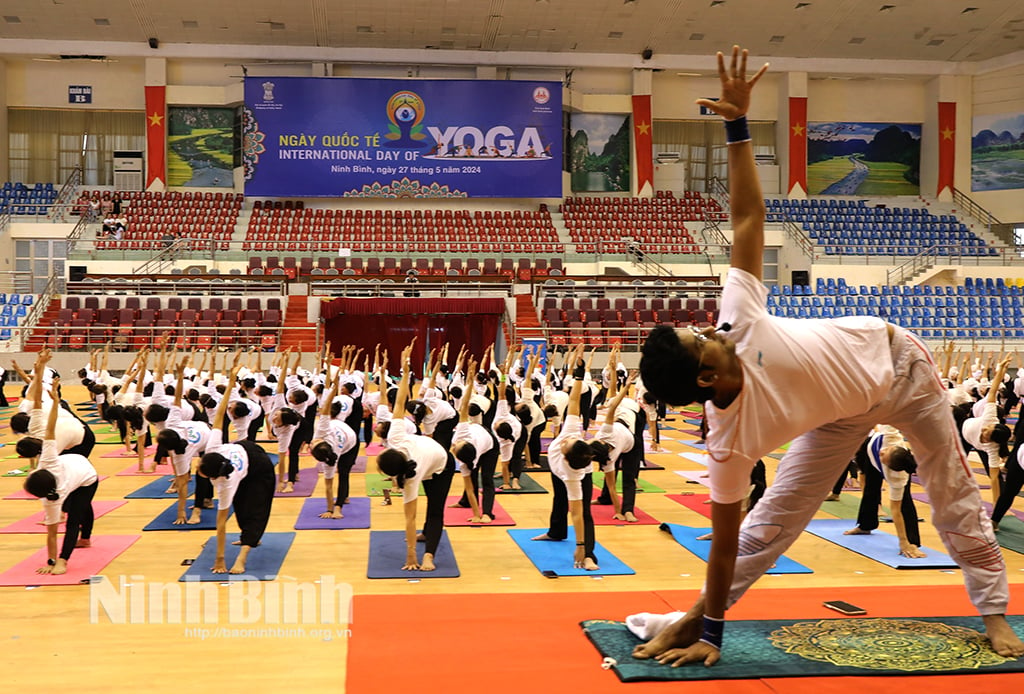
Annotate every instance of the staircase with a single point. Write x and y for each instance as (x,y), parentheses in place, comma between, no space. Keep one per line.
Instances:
(527,324)
(296,331)
(44,328)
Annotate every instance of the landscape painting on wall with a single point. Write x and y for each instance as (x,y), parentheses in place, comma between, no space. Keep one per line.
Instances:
(200,145)
(997,152)
(599,152)
(863,158)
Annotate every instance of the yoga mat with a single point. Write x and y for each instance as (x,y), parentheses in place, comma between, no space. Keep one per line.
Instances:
(22,495)
(263,564)
(649,465)
(881,546)
(459,517)
(32,524)
(157,489)
(1011,534)
(374,448)
(356,512)
(84,563)
(699,458)
(122,453)
(20,471)
(165,521)
(1011,512)
(695,444)
(846,507)
(687,537)
(821,648)
(641,485)
(698,476)
(305,483)
(360,464)
(557,557)
(528,484)
(603,516)
(376,483)
(694,502)
(161,470)
(387,556)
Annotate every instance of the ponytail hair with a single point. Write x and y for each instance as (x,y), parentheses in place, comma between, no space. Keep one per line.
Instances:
(392,463)
(1001,435)
(214,465)
(42,484)
(324,452)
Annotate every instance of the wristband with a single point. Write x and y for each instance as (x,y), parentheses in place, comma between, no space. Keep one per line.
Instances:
(713,629)
(736,131)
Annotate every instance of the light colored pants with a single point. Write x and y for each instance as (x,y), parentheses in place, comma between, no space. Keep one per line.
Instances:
(917,405)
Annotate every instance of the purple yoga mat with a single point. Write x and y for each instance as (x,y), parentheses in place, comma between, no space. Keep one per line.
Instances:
(357,515)
(360,465)
(923,497)
(304,485)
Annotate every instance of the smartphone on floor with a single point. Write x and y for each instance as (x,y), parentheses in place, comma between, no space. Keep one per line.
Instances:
(843,607)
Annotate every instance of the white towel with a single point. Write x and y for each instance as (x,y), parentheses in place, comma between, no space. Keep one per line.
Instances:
(646,625)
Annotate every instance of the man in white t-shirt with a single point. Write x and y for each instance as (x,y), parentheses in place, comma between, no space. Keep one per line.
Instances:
(821,384)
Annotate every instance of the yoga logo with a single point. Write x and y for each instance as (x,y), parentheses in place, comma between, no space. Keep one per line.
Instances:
(405,111)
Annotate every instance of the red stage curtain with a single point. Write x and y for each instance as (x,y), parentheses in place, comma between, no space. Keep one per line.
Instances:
(393,322)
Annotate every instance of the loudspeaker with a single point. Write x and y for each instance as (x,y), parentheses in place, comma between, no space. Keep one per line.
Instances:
(801,277)
(77,273)
(154,43)
(647,54)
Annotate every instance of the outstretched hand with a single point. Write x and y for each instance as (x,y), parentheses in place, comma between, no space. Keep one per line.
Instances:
(736,88)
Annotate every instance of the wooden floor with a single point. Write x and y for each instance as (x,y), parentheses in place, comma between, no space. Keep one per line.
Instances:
(50,640)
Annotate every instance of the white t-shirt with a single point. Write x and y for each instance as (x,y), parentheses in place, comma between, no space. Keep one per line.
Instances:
(798,375)
(241,424)
(478,436)
(430,456)
(196,436)
(973,427)
(71,471)
(504,415)
(572,428)
(339,435)
(620,440)
(225,487)
(897,480)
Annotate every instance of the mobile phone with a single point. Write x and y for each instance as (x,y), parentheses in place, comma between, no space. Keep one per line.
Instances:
(844,607)
(549,574)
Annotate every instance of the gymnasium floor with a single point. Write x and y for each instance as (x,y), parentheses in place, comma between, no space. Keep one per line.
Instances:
(500,627)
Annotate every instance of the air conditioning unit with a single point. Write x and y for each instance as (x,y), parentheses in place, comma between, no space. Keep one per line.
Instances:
(667,157)
(128,170)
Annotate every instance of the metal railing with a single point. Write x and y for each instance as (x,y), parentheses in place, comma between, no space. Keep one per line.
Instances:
(349,286)
(180,284)
(65,200)
(135,337)
(972,208)
(54,286)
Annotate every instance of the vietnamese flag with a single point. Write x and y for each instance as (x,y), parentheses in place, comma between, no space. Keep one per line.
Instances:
(644,141)
(156,138)
(797,145)
(947,145)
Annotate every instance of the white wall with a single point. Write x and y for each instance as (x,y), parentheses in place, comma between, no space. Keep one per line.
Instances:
(116,85)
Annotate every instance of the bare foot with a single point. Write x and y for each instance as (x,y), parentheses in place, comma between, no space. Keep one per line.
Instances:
(515,483)
(281,486)
(857,531)
(631,518)
(336,513)
(61,567)
(428,562)
(238,568)
(484,518)
(207,503)
(705,536)
(83,543)
(618,517)
(683,633)
(832,497)
(1003,639)
(590,565)
(545,538)
(288,488)
(196,517)
(180,520)
(420,537)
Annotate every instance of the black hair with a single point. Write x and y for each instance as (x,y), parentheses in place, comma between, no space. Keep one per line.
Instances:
(19,422)
(82,373)
(648,397)
(348,387)
(324,452)
(580,455)
(522,413)
(902,460)
(271,378)
(87,382)
(318,388)
(264,391)
(42,484)
(192,394)
(335,408)
(393,463)
(466,453)
(475,410)
(550,411)
(383,428)
(481,377)
(289,416)
(133,416)
(669,371)
(239,409)
(391,395)
(455,392)
(157,413)
(221,388)
(601,451)
(171,440)
(98,389)
(416,408)
(29,447)
(298,396)
(214,465)
(115,413)
(207,401)
(248,383)
(1001,435)
(504,431)
(147,390)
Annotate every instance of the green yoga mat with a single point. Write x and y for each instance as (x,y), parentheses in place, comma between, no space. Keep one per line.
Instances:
(377,483)
(642,485)
(1011,533)
(821,648)
(846,507)
(19,472)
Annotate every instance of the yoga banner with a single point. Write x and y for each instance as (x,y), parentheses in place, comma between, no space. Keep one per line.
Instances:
(334,137)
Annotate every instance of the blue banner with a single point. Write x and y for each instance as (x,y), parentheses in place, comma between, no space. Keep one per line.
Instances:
(333,137)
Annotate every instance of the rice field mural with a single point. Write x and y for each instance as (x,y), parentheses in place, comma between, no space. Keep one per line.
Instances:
(846,158)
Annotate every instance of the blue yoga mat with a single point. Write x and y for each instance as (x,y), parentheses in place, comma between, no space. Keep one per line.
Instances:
(881,546)
(558,556)
(263,564)
(165,521)
(695,444)
(699,458)
(356,512)
(157,489)
(387,555)
(687,537)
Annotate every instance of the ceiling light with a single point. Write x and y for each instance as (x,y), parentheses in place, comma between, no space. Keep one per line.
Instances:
(363,29)
(11,19)
(968,10)
(857,40)
(189,24)
(102,22)
(696,37)
(615,34)
(802,5)
(886,8)
(936,42)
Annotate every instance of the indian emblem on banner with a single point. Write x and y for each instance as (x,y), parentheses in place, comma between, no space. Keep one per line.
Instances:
(268,91)
(405,111)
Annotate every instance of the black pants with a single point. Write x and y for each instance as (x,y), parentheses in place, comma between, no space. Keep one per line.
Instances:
(204,491)
(850,471)
(78,506)
(302,435)
(444,431)
(367,429)
(597,401)
(254,427)
(482,478)
(871,498)
(437,488)
(759,481)
(585,399)
(1011,485)
(558,525)
(515,465)
(629,471)
(255,495)
(88,442)
(345,462)
(534,443)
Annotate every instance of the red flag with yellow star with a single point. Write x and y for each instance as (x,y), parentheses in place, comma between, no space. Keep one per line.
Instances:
(947,146)
(644,141)
(156,138)
(797,145)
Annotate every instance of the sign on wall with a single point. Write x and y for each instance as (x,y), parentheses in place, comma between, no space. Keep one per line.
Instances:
(79,94)
(309,137)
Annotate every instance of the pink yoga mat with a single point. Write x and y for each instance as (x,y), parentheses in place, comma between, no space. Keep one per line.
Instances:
(133,470)
(85,562)
(460,516)
(32,523)
(603,516)
(122,453)
(373,449)
(22,495)
(694,502)
(698,476)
